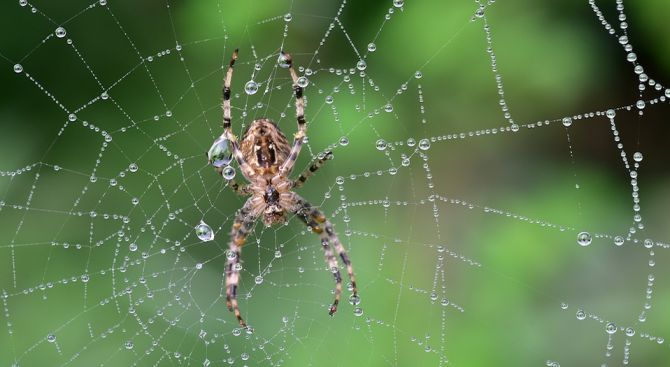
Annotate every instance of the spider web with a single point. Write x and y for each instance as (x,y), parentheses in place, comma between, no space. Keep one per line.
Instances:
(499,181)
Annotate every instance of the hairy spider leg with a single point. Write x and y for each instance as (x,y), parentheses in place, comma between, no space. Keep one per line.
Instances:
(315,219)
(247,171)
(286,168)
(242,225)
(310,171)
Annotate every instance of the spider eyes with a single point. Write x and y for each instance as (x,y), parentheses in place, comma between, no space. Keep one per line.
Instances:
(219,154)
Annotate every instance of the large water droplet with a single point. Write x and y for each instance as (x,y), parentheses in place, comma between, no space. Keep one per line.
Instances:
(204,231)
(251,87)
(584,238)
(60,32)
(380,144)
(219,154)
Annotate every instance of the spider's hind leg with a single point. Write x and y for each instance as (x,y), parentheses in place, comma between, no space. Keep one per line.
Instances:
(242,226)
(319,224)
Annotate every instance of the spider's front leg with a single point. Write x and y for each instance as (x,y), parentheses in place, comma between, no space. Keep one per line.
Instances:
(315,219)
(242,225)
(310,171)
(287,167)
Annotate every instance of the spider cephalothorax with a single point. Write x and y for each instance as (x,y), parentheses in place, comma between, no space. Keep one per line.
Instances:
(266,159)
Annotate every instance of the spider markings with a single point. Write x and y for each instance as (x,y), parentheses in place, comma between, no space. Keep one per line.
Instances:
(266,160)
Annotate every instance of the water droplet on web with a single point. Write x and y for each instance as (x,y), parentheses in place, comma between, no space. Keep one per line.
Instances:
(372,47)
(231,255)
(354,300)
(103,2)
(424,144)
(129,345)
(584,238)
(251,87)
(637,157)
(204,231)
(133,167)
(433,296)
(398,3)
(388,107)
(72,117)
(258,280)
(380,144)
(303,82)
(618,240)
(610,113)
(228,172)
(23,2)
(219,153)
(51,338)
(344,141)
(283,61)
(18,68)
(418,75)
(132,247)
(288,17)
(444,302)
(581,315)
(479,13)
(277,254)
(358,311)
(610,328)
(206,362)
(564,305)
(631,57)
(361,65)
(60,32)
(329,99)
(567,121)
(630,331)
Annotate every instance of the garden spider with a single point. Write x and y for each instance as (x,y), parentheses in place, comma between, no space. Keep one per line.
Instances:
(266,161)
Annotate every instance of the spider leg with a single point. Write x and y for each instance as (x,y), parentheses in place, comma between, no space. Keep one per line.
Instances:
(243,190)
(242,225)
(287,167)
(315,219)
(310,171)
(227,129)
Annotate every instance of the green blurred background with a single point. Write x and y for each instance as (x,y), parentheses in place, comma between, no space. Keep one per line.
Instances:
(505,275)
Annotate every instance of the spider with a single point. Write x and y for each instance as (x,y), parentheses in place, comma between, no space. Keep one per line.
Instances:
(266,160)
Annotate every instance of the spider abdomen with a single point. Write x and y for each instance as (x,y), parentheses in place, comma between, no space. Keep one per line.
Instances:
(264,147)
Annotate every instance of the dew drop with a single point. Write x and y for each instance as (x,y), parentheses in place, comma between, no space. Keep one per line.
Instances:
(51,338)
(228,172)
(380,144)
(282,60)
(567,121)
(354,299)
(637,157)
(60,32)
(204,231)
(251,87)
(18,68)
(288,17)
(610,113)
(479,13)
(372,47)
(610,328)
(398,3)
(219,154)
(358,311)
(418,75)
(388,107)
(618,240)
(361,65)
(584,238)
(133,167)
(129,345)
(424,144)
(581,315)
(259,279)
(344,141)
